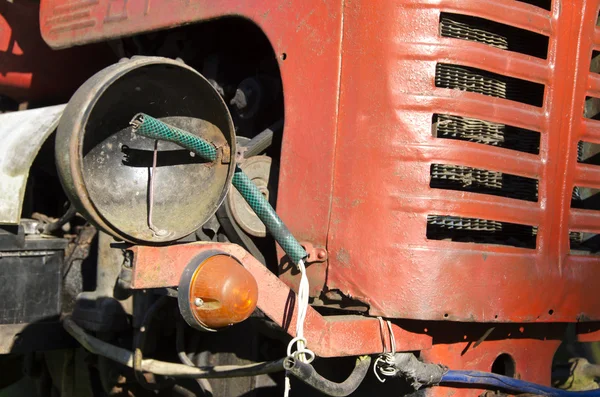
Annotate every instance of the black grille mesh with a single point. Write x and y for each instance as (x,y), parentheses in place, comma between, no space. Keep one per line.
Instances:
(584,197)
(473,230)
(450,26)
(485,132)
(494,34)
(490,84)
(462,178)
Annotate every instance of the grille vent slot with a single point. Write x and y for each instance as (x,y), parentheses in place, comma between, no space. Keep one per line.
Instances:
(588,153)
(592,108)
(595,62)
(491,84)
(582,243)
(494,34)
(469,179)
(482,231)
(545,4)
(485,132)
(585,198)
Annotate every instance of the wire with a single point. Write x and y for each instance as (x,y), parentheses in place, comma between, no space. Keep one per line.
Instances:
(183,357)
(125,357)
(489,380)
(385,363)
(54,226)
(307,374)
(140,343)
(302,353)
(180,344)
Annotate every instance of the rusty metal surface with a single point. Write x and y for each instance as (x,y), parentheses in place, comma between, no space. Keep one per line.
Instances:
(105,168)
(315,254)
(316,270)
(155,267)
(531,348)
(385,149)
(306,38)
(385,146)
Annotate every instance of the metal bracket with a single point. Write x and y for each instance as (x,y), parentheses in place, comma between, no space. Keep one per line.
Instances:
(224,153)
(329,336)
(315,254)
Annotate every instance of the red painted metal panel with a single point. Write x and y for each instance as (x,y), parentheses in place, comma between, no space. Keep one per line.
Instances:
(29,69)
(384,146)
(307,32)
(381,148)
(532,360)
(379,253)
(327,336)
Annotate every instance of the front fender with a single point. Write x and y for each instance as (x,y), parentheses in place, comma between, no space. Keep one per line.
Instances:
(21,137)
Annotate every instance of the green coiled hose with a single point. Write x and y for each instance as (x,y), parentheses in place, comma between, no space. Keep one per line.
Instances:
(152,128)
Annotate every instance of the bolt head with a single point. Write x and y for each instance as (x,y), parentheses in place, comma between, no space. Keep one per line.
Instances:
(198,302)
(321,254)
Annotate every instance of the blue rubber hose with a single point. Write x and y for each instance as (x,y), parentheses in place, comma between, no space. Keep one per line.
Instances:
(486,380)
(152,128)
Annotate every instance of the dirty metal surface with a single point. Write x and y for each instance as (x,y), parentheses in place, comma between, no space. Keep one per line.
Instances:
(106,169)
(530,348)
(392,85)
(155,267)
(305,36)
(385,144)
(316,269)
(21,137)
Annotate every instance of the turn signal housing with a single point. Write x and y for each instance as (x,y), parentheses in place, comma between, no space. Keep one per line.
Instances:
(216,291)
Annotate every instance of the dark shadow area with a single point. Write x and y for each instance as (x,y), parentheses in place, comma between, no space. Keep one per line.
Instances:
(164,158)
(54,74)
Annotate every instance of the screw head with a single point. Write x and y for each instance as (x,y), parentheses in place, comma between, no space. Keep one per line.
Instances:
(198,302)
(321,254)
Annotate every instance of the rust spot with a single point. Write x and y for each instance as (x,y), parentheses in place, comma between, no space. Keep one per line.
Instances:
(343,256)
(356,203)
(582,317)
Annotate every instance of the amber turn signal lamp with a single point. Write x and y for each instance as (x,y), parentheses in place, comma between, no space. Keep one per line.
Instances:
(216,291)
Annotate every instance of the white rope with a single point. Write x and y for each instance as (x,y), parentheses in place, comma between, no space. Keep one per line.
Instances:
(384,364)
(302,352)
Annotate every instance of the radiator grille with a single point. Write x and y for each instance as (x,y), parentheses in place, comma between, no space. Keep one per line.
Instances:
(482,181)
(483,231)
(486,133)
(494,34)
(491,84)
(456,177)
(584,197)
